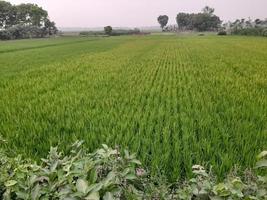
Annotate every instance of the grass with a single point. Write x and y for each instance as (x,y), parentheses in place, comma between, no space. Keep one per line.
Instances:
(176,101)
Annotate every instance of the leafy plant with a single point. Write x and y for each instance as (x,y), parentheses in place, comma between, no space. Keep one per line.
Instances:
(108,174)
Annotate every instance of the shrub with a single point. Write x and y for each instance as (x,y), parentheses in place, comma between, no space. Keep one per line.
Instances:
(108,174)
(25,32)
(92,33)
(222,33)
(5,35)
(254,31)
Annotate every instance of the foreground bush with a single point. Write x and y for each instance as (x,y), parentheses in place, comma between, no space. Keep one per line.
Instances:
(108,174)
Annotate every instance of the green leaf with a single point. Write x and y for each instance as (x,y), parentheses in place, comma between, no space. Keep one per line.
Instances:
(135,161)
(127,155)
(130,177)
(262,155)
(261,164)
(22,195)
(222,190)
(237,184)
(82,185)
(95,187)
(36,192)
(93,176)
(125,172)
(109,178)
(93,196)
(10,183)
(108,196)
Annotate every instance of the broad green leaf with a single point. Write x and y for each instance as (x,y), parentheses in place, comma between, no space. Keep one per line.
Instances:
(36,192)
(222,190)
(109,178)
(22,195)
(105,146)
(125,171)
(82,185)
(108,196)
(95,187)
(130,177)
(135,161)
(127,155)
(93,196)
(10,183)
(93,176)
(261,164)
(237,183)
(262,155)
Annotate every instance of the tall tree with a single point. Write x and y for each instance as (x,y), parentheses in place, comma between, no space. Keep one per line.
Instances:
(7,14)
(50,27)
(184,21)
(31,14)
(108,30)
(205,21)
(163,20)
(24,21)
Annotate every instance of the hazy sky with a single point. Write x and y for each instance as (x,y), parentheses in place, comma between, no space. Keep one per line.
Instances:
(137,13)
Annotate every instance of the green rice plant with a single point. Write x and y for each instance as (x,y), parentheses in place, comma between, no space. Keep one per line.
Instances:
(176,101)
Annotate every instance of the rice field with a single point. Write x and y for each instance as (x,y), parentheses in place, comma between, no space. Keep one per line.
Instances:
(176,101)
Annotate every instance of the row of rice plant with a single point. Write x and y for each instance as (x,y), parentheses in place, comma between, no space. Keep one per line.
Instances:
(175,101)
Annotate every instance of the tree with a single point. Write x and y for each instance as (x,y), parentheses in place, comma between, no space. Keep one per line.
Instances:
(7,14)
(205,21)
(108,30)
(24,21)
(50,27)
(208,10)
(31,14)
(184,21)
(163,20)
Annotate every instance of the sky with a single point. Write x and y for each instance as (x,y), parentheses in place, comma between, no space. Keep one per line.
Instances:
(139,13)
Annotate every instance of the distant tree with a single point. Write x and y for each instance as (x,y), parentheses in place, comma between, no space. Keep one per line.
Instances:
(184,21)
(31,14)
(208,10)
(7,14)
(257,27)
(108,30)
(49,27)
(163,20)
(205,21)
(258,22)
(24,21)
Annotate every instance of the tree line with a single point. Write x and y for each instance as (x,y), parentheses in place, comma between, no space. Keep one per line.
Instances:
(255,27)
(24,21)
(208,21)
(203,21)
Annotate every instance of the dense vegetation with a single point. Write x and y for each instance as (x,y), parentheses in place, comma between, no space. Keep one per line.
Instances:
(109,31)
(176,101)
(109,174)
(204,21)
(208,21)
(247,27)
(24,21)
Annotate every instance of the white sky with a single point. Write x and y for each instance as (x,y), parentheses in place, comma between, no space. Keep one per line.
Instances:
(137,13)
